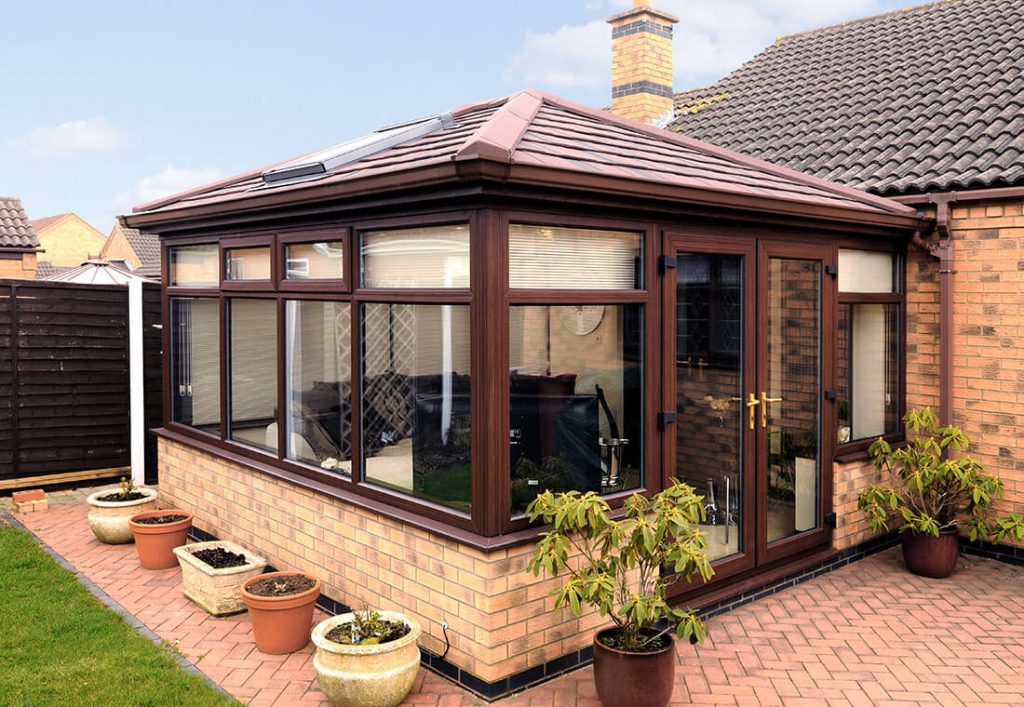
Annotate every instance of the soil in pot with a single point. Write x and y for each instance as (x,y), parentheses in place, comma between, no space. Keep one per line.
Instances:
(157,533)
(118,497)
(218,558)
(282,586)
(633,679)
(386,631)
(281,609)
(161,520)
(930,556)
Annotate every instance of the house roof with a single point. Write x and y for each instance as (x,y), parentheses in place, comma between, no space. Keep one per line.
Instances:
(15,228)
(41,224)
(145,245)
(45,270)
(926,99)
(536,139)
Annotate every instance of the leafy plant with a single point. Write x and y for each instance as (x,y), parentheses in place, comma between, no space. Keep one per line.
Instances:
(616,565)
(127,489)
(934,486)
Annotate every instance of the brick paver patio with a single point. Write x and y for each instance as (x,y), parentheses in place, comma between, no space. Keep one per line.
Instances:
(868,634)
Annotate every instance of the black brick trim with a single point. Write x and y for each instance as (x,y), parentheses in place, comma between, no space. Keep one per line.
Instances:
(1002,553)
(642,26)
(629,89)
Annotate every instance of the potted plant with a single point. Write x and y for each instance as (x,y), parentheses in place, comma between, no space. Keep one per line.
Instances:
(157,533)
(281,609)
(934,491)
(212,574)
(110,509)
(366,658)
(615,566)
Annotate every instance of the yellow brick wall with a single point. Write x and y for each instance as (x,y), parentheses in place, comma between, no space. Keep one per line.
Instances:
(499,616)
(23,268)
(70,242)
(643,56)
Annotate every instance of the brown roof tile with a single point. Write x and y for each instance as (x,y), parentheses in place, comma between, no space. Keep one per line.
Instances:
(16,230)
(925,99)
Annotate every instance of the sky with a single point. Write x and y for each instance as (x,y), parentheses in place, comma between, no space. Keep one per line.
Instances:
(106,105)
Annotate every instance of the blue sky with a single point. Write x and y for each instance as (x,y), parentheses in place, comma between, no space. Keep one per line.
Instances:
(109,104)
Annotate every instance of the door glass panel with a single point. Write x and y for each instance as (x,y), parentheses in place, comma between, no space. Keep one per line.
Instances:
(709,390)
(791,405)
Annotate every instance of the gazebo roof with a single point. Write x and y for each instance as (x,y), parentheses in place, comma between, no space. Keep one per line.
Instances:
(537,139)
(97,272)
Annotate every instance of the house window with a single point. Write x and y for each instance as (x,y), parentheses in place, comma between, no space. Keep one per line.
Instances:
(247,263)
(868,346)
(252,372)
(429,258)
(416,400)
(547,258)
(194,266)
(318,339)
(195,362)
(324,260)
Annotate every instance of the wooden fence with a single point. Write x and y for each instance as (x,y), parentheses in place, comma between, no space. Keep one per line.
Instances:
(64,380)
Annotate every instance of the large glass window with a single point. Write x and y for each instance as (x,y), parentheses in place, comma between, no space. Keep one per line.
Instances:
(195,362)
(323,260)
(431,258)
(319,384)
(576,402)
(247,263)
(551,258)
(416,400)
(252,372)
(194,266)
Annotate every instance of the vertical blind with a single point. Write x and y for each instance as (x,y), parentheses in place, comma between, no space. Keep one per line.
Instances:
(549,258)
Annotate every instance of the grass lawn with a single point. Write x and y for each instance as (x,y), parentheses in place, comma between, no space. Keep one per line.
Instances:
(60,646)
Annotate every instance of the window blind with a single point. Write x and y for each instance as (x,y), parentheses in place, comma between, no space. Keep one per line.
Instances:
(548,258)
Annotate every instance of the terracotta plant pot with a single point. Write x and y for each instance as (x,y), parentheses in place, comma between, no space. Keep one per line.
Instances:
(281,624)
(155,543)
(109,519)
(633,679)
(219,591)
(378,675)
(931,556)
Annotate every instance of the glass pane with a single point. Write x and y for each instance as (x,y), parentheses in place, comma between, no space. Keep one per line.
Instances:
(319,384)
(315,261)
(195,363)
(792,403)
(417,257)
(866,271)
(542,257)
(576,403)
(252,366)
(247,263)
(416,400)
(709,390)
(868,368)
(194,266)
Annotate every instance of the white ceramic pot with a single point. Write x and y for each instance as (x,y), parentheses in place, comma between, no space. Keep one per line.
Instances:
(378,675)
(219,591)
(109,519)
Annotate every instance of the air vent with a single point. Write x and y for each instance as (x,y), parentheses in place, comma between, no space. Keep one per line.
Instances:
(325,161)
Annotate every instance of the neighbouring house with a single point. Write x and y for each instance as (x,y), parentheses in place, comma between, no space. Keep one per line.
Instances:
(68,240)
(925,106)
(376,355)
(19,244)
(130,248)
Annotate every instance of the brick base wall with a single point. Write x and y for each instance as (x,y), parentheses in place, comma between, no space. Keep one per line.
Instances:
(500,618)
(850,479)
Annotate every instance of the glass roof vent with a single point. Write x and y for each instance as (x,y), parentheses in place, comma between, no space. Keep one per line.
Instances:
(325,161)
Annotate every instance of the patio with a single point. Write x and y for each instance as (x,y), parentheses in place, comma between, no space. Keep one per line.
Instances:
(867,634)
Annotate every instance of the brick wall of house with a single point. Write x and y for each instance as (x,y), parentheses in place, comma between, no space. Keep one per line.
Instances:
(21,268)
(500,617)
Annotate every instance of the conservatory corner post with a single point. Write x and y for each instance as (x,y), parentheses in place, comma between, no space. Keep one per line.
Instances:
(136,387)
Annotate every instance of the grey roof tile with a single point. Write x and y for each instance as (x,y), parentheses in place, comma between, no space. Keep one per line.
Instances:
(15,229)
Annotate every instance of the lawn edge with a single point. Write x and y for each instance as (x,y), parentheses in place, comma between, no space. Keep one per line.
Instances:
(142,629)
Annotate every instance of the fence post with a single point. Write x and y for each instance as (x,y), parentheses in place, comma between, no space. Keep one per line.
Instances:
(136,382)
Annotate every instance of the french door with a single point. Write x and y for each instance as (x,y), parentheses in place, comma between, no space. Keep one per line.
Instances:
(748,329)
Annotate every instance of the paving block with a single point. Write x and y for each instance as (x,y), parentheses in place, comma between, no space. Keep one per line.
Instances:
(28,495)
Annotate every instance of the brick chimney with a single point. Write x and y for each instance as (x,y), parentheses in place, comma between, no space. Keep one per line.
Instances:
(642,62)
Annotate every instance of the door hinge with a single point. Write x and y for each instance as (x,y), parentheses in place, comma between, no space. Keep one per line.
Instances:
(831,520)
(830,395)
(666,263)
(665,419)
(832,271)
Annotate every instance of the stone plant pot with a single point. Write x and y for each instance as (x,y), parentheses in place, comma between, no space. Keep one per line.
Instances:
(218,591)
(930,556)
(109,519)
(155,543)
(378,675)
(281,624)
(633,679)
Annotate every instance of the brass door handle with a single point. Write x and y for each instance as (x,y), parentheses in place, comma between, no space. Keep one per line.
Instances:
(752,402)
(765,400)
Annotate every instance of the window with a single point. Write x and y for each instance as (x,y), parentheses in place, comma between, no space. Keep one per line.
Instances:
(429,258)
(547,258)
(868,343)
(416,400)
(324,260)
(576,399)
(195,362)
(252,372)
(319,384)
(247,263)
(194,266)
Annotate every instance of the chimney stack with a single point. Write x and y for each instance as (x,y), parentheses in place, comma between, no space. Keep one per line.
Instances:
(642,63)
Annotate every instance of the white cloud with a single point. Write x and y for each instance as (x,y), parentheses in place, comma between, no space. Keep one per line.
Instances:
(713,37)
(72,137)
(169,181)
